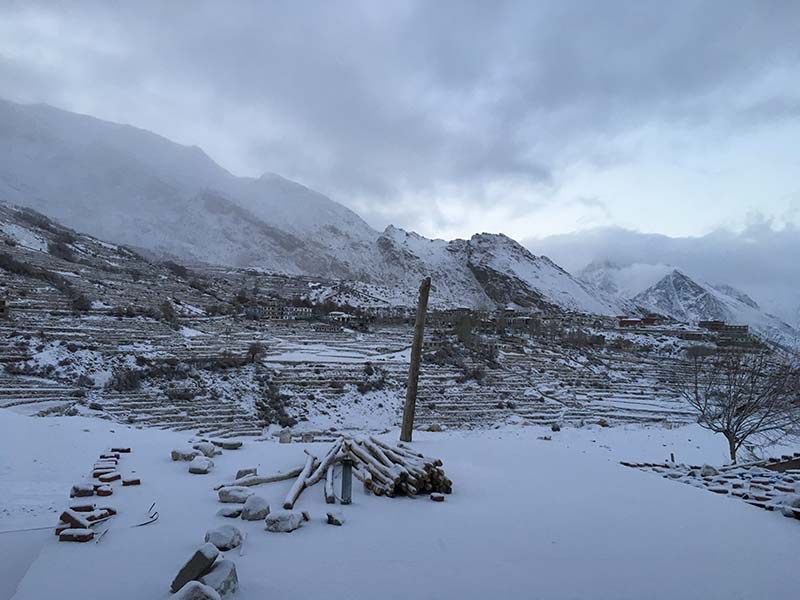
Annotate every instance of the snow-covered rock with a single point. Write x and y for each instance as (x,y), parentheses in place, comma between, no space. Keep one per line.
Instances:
(199,564)
(222,577)
(195,590)
(255,508)
(224,537)
(200,465)
(234,494)
(207,448)
(185,454)
(285,521)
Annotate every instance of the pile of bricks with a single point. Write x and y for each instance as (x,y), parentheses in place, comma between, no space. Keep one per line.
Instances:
(772,484)
(76,521)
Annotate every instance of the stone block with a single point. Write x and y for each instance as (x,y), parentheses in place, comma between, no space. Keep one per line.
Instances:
(198,565)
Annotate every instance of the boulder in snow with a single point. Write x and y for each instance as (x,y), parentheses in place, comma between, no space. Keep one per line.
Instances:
(234,494)
(208,449)
(255,508)
(227,444)
(222,577)
(200,465)
(285,521)
(199,564)
(194,590)
(186,454)
(225,537)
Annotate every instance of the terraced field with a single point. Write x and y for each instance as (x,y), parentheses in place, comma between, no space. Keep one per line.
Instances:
(537,383)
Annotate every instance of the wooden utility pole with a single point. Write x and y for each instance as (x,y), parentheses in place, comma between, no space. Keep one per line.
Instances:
(416,356)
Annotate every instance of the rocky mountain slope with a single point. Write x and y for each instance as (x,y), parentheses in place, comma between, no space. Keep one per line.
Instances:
(485,271)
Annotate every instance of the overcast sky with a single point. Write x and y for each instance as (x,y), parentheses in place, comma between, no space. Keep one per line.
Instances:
(530,118)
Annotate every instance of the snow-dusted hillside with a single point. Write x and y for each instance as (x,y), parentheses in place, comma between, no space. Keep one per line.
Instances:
(134,187)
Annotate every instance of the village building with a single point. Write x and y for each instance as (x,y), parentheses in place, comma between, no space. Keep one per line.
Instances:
(711,324)
(273,309)
(298,312)
(338,316)
(628,322)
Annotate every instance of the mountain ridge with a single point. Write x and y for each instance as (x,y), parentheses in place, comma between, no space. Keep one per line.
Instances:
(134,187)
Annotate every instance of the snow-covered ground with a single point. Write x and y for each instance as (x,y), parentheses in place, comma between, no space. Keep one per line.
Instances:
(529,518)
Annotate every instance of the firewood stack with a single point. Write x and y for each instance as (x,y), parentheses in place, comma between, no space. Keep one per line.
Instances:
(387,470)
(384,469)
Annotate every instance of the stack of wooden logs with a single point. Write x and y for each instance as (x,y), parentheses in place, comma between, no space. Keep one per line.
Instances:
(384,469)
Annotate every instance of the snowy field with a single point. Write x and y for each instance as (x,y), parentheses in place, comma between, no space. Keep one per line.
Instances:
(528,518)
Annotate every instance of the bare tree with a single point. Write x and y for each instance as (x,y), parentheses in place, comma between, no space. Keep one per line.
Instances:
(744,395)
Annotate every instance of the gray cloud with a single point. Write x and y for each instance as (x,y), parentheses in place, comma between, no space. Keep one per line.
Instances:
(378,100)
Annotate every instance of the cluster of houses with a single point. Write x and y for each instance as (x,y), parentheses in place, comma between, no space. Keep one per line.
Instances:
(730,335)
(647,321)
(275,309)
(712,330)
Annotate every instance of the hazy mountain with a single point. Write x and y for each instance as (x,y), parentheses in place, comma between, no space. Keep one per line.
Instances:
(622,281)
(759,259)
(134,187)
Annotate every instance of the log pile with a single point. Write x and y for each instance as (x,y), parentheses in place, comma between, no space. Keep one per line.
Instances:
(387,470)
(384,470)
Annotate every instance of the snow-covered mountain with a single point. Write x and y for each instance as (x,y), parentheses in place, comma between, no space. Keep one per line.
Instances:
(131,186)
(679,296)
(672,292)
(486,271)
